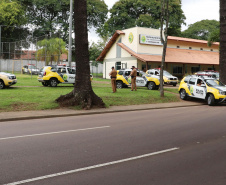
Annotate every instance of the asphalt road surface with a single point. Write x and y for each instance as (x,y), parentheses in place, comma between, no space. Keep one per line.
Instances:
(176,146)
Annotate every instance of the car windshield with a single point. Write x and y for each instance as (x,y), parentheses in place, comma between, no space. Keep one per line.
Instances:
(142,73)
(214,83)
(165,73)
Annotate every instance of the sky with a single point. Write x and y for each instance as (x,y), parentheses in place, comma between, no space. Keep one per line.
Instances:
(194,10)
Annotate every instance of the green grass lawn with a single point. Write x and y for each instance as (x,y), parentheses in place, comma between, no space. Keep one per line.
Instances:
(29,94)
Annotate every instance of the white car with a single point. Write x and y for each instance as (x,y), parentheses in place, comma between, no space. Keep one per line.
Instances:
(167,77)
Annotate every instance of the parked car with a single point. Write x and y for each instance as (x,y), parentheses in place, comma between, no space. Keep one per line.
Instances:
(30,69)
(53,75)
(7,79)
(167,77)
(143,80)
(210,73)
(206,88)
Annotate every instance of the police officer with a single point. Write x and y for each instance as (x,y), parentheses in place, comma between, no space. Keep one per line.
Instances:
(133,75)
(113,74)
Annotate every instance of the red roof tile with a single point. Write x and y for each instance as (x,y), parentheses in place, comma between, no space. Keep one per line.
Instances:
(174,55)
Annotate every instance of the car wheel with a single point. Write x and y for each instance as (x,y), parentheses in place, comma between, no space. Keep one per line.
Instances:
(45,84)
(183,94)
(210,100)
(53,82)
(119,84)
(151,85)
(174,85)
(2,85)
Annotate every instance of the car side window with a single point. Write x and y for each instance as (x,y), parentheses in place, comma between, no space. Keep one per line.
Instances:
(186,79)
(127,73)
(120,72)
(192,81)
(63,70)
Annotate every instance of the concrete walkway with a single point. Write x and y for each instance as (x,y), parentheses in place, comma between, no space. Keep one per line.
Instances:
(24,115)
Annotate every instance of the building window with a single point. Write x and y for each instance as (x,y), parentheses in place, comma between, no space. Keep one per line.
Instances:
(177,70)
(118,51)
(178,46)
(118,65)
(195,69)
(190,47)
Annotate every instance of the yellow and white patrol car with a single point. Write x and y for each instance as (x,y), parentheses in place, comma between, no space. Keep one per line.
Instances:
(7,79)
(209,89)
(123,79)
(167,77)
(53,75)
(30,69)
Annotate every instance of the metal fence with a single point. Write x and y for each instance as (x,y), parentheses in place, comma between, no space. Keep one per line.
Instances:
(14,55)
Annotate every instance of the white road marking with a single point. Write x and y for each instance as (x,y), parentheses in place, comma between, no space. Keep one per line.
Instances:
(49,133)
(91,167)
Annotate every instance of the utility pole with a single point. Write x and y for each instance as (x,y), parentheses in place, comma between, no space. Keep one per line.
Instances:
(0,41)
(70,33)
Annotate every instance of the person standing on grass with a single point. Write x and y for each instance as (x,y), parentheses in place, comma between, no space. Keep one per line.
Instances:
(133,75)
(113,74)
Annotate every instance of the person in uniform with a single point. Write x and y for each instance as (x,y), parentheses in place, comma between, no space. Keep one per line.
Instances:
(133,78)
(113,74)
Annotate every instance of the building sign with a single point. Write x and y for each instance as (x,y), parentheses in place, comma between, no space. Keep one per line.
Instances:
(131,37)
(150,39)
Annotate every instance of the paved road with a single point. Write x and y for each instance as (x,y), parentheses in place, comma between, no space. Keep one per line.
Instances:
(164,146)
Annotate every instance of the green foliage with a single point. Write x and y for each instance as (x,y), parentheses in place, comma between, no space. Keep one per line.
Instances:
(12,18)
(95,50)
(11,13)
(201,30)
(50,50)
(214,37)
(145,13)
(52,16)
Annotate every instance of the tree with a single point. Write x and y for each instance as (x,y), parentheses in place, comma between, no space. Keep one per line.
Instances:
(145,13)
(50,50)
(95,50)
(52,16)
(201,30)
(82,94)
(12,18)
(164,22)
(222,41)
(214,37)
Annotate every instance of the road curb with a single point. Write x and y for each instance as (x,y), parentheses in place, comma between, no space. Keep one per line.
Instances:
(92,112)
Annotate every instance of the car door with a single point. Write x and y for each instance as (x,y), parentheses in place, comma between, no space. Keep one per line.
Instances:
(200,89)
(71,75)
(191,83)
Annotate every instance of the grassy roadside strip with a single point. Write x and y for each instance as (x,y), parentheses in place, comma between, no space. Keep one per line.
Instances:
(29,94)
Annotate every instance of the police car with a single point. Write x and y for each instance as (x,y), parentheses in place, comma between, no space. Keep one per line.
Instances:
(30,69)
(53,75)
(167,77)
(123,79)
(210,73)
(209,89)
(7,79)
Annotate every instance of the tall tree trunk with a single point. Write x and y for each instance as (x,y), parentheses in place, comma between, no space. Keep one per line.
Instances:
(223,41)
(164,18)
(82,94)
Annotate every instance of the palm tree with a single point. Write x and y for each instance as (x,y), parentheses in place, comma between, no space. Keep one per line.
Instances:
(50,50)
(222,41)
(82,94)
